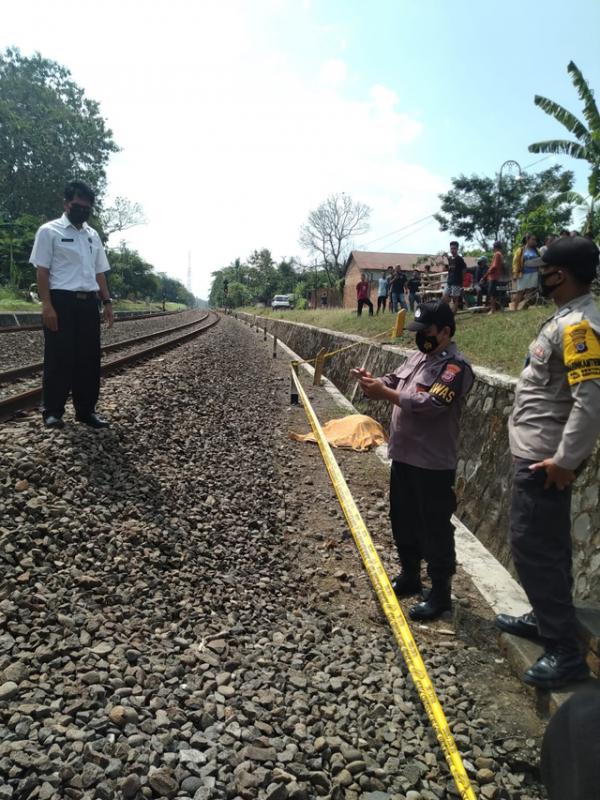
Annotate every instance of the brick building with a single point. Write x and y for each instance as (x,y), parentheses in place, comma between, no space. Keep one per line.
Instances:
(374,265)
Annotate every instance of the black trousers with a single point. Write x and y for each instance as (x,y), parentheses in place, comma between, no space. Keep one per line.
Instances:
(540,539)
(72,355)
(422,502)
(381,302)
(362,303)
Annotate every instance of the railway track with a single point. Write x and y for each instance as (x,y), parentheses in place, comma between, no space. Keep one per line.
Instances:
(16,404)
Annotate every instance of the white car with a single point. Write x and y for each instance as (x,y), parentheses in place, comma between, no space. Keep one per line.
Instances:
(281,302)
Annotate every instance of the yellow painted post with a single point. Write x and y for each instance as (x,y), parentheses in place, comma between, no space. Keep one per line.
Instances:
(319,364)
(400,323)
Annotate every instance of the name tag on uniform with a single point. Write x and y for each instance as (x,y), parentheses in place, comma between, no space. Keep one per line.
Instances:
(67,240)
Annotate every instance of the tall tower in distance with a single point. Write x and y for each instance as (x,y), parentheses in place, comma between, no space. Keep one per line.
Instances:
(189,272)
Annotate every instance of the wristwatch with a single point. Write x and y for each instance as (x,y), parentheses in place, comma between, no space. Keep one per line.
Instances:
(107,302)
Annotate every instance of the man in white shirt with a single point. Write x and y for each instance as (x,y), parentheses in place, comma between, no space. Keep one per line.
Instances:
(71,266)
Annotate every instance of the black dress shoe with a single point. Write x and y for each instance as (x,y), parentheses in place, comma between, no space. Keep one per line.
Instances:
(438,602)
(560,665)
(53,422)
(94,421)
(524,626)
(406,585)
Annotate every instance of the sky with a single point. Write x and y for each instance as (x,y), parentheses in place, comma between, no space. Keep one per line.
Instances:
(235,118)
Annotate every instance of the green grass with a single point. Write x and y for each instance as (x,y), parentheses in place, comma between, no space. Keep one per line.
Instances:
(498,341)
(12,301)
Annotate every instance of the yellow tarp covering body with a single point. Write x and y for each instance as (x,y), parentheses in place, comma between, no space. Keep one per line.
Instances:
(356,432)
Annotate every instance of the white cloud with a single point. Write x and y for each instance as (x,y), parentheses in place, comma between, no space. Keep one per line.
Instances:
(333,72)
(225,144)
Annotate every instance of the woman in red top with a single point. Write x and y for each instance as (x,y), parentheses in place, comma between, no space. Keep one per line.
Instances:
(493,275)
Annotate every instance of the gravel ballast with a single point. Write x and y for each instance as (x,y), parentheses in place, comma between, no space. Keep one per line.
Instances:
(162,633)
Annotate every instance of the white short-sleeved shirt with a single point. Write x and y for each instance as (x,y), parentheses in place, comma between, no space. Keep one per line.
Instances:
(73,255)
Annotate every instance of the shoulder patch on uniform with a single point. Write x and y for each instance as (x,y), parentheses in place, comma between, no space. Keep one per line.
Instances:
(450,372)
(581,352)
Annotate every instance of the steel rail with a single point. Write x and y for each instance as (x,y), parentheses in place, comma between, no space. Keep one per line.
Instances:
(31,369)
(129,318)
(18,403)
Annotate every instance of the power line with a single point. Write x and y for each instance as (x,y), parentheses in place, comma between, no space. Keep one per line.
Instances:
(429,217)
(404,227)
(539,161)
(426,225)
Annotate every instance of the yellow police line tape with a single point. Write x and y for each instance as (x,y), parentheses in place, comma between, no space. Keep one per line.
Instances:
(389,604)
(394,333)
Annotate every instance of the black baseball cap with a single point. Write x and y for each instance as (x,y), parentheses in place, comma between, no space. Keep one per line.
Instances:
(575,253)
(435,313)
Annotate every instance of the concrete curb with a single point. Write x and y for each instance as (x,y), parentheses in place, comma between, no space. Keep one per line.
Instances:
(493,581)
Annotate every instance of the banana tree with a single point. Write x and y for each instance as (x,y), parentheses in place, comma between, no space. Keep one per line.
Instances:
(587,139)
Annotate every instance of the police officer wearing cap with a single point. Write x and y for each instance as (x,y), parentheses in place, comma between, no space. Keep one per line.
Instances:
(428,394)
(71,266)
(553,429)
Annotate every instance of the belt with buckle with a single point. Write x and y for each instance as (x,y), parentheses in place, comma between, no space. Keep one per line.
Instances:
(83,295)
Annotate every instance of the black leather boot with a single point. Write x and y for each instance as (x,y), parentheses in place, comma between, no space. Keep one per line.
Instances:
(438,602)
(562,663)
(524,626)
(407,583)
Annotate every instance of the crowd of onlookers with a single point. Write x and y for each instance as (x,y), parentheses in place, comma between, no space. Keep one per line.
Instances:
(486,285)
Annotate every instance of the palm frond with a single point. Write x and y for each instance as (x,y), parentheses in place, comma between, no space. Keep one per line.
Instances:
(559,146)
(573,198)
(590,109)
(563,116)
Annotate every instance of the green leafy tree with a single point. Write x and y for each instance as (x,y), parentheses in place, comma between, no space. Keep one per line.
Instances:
(263,275)
(16,241)
(586,145)
(50,132)
(539,222)
(480,209)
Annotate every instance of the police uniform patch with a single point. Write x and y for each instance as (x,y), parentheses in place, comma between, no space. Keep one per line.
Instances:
(450,373)
(447,387)
(581,352)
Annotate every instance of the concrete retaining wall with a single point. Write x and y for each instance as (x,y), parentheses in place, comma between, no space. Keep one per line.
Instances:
(484,468)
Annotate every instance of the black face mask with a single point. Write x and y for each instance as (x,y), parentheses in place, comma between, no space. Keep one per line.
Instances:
(426,344)
(78,214)
(547,289)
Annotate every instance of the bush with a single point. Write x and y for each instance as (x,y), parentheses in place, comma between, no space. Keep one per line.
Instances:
(301,303)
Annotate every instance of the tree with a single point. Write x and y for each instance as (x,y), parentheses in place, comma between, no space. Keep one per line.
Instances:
(50,132)
(587,144)
(329,230)
(480,209)
(262,274)
(16,241)
(121,216)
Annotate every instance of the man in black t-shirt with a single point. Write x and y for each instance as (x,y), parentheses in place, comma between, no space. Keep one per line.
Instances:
(413,285)
(397,285)
(456,272)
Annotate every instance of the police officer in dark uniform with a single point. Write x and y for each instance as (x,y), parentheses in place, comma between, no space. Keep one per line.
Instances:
(428,394)
(553,428)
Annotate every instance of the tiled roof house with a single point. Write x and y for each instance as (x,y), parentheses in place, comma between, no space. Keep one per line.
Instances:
(376,264)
